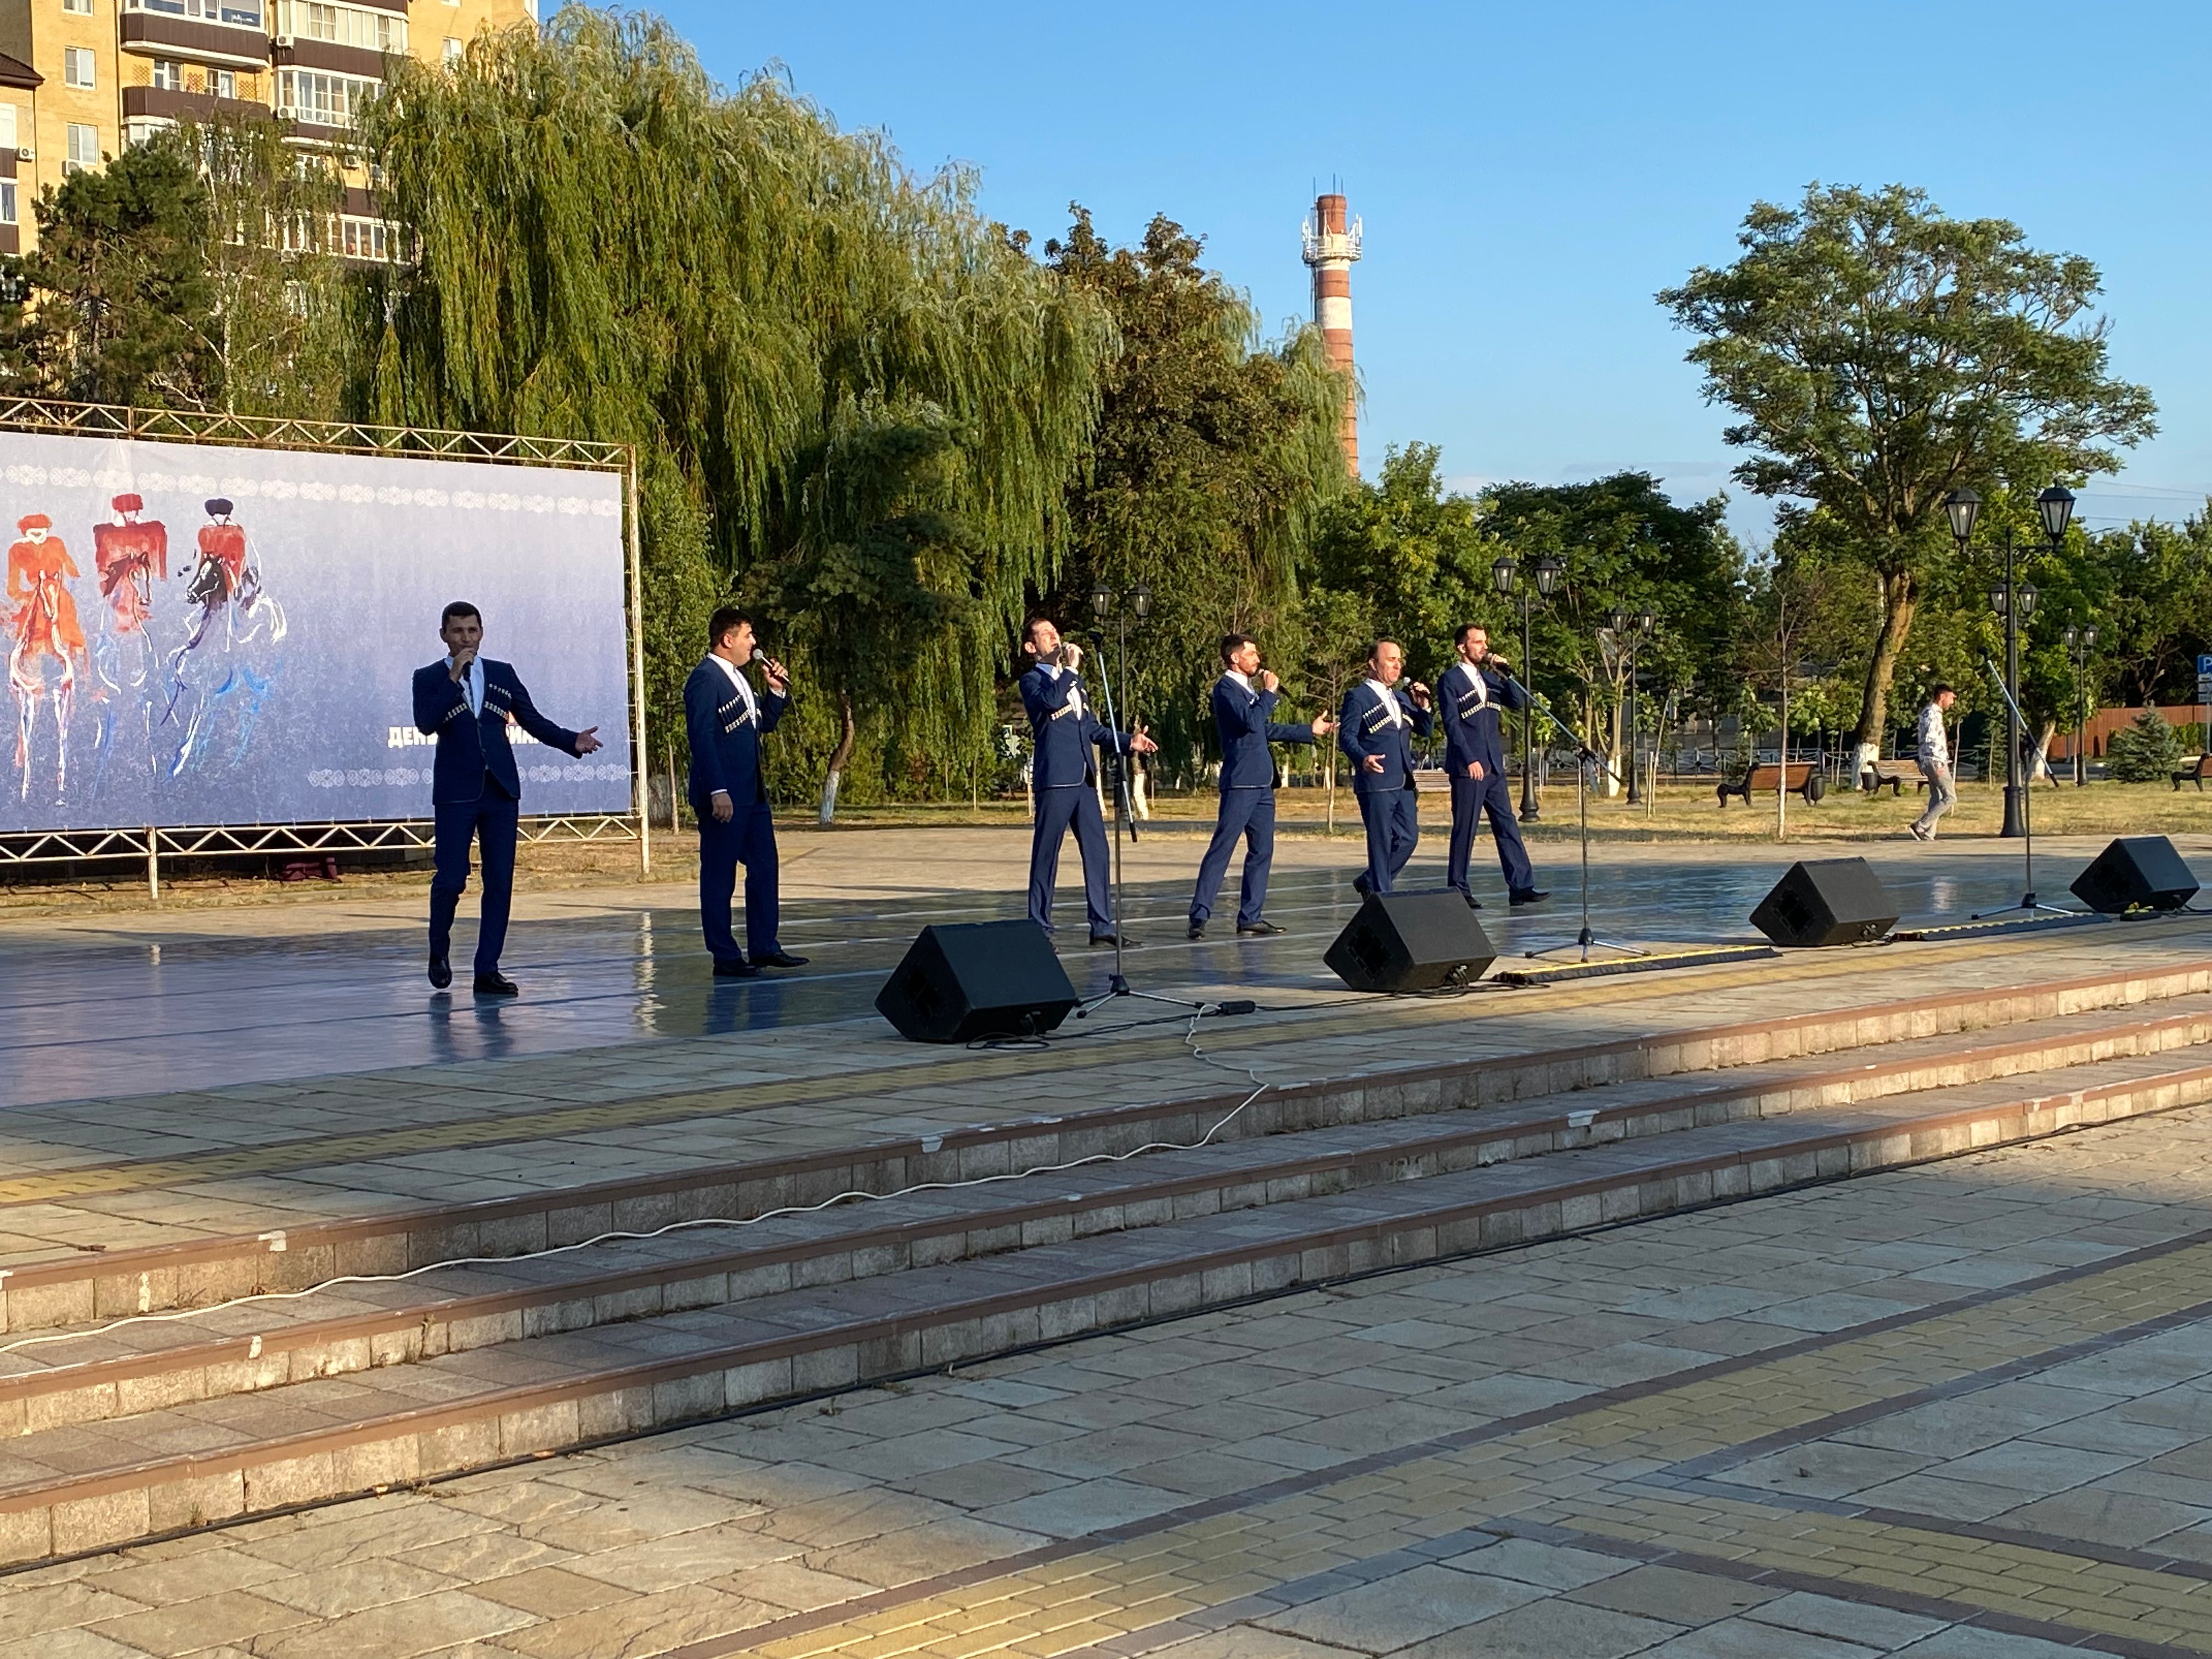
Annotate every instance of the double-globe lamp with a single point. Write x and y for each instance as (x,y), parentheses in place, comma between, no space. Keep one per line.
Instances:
(1547,571)
(2015,601)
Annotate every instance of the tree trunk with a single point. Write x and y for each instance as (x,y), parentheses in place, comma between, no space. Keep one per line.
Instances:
(1782,779)
(2039,761)
(1898,597)
(838,758)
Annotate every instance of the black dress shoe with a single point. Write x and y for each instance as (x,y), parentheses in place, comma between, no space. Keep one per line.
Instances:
(1473,903)
(1260,929)
(736,971)
(441,973)
(1197,930)
(1123,940)
(1359,885)
(496,985)
(1530,896)
(777,959)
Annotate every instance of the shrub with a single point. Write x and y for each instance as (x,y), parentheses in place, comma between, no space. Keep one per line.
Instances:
(2143,751)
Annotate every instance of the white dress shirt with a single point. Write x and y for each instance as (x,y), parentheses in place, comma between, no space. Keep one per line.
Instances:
(1934,749)
(745,686)
(1074,697)
(1231,674)
(1390,709)
(473,684)
(1474,673)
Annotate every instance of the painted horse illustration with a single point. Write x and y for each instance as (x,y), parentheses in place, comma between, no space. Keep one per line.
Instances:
(46,653)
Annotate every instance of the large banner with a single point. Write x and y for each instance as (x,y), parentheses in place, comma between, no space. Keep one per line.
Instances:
(205,635)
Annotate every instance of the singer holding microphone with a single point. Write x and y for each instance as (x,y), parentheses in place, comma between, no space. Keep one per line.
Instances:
(723,719)
(1472,692)
(1065,738)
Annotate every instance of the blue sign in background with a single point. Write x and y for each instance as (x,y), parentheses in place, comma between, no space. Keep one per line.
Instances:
(253,666)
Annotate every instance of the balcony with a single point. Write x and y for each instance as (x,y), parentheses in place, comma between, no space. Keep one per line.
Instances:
(219,43)
(162,104)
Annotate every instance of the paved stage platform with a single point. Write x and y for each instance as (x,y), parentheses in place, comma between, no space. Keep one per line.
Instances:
(1158,1404)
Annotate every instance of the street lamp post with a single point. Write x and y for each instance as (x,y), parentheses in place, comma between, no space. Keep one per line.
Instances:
(2015,601)
(1631,628)
(1547,571)
(2080,642)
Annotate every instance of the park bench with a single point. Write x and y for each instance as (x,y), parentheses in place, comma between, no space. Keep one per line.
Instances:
(1894,773)
(2192,772)
(1804,779)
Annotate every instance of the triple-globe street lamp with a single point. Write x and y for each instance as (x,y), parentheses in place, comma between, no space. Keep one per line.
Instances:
(1547,571)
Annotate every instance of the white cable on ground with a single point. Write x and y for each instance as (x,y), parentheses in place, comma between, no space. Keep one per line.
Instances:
(1190,1039)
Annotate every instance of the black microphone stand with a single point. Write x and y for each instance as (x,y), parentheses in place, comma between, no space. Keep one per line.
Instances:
(1117,982)
(2027,902)
(1585,757)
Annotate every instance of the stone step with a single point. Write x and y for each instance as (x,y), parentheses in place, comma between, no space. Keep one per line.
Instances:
(76,1375)
(68,1489)
(79,1288)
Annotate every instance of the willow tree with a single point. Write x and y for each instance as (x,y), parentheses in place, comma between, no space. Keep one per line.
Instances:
(606,244)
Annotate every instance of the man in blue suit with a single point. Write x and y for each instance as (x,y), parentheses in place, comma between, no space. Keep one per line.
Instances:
(1065,736)
(723,719)
(1375,728)
(468,702)
(1243,698)
(1471,694)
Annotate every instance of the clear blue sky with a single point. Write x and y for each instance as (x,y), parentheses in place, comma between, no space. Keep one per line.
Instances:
(1530,175)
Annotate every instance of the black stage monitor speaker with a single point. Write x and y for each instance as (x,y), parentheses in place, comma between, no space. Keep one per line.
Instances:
(977,979)
(2136,872)
(1411,942)
(1826,901)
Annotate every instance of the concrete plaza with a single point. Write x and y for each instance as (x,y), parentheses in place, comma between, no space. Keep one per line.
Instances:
(1957,1406)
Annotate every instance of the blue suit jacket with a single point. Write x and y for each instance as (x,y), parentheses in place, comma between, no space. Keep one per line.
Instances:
(1471,729)
(1067,743)
(724,740)
(1365,729)
(469,749)
(1240,716)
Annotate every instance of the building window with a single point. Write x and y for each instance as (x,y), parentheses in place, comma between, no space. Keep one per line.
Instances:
(223,83)
(7,126)
(454,50)
(246,14)
(168,75)
(322,100)
(76,66)
(83,9)
(342,25)
(7,201)
(364,239)
(83,148)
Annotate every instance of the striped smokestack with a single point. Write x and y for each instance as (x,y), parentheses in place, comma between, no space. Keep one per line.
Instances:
(1331,245)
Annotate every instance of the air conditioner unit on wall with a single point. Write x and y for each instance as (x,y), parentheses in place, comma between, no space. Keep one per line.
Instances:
(26,155)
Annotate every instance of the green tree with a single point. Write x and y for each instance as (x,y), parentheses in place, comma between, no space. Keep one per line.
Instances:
(1413,557)
(120,304)
(2144,751)
(1625,543)
(607,246)
(274,330)
(1879,354)
(1213,456)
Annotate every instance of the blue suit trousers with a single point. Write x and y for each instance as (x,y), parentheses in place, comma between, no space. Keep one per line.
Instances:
(1249,813)
(1470,799)
(1394,830)
(490,820)
(749,838)
(1056,809)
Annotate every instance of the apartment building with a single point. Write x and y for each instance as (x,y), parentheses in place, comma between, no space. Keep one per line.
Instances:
(82,79)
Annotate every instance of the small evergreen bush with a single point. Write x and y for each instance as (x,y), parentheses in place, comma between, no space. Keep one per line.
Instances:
(2143,751)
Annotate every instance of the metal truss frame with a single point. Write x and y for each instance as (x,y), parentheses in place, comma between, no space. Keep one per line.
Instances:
(51,417)
(278,432)
(150,846)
